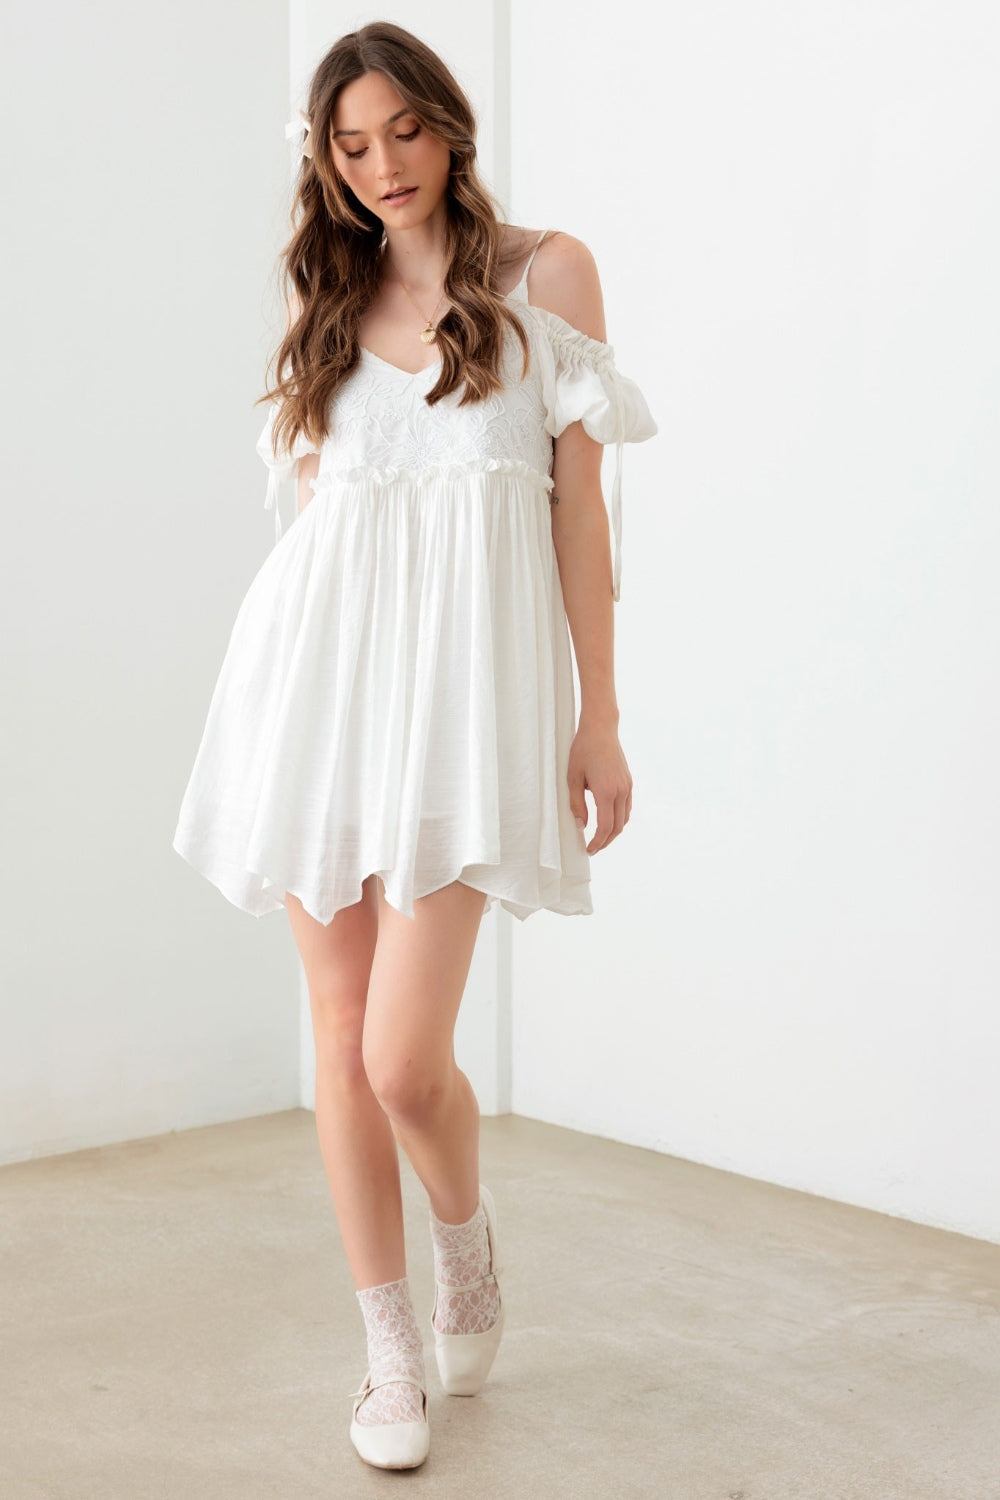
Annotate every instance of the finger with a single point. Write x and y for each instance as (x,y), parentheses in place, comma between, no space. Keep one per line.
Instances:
(605,822)
(619,822)
(577,801)
(619,810)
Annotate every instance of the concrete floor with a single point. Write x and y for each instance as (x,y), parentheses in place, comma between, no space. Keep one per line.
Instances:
(178,1322)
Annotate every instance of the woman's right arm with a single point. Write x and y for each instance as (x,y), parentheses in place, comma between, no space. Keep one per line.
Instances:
(308,469)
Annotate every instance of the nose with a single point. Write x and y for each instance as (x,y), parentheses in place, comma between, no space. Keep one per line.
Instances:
(387,163)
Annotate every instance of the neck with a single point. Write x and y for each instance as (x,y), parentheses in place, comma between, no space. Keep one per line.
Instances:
(417,256)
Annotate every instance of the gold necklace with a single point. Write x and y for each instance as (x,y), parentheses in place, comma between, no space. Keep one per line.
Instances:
(428,334)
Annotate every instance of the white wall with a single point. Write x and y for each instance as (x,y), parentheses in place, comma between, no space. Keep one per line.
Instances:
(143,175)
(793,969)
(474,43)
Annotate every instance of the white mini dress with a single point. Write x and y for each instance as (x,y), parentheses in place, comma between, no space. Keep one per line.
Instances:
(397,696)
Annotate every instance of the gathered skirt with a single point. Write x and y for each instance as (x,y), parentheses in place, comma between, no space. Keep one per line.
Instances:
(397,699)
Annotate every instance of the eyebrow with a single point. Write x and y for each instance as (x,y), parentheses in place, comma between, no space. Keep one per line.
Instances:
(397,116)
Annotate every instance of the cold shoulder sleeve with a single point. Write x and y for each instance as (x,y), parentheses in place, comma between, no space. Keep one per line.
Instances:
(581,383)
(282,465)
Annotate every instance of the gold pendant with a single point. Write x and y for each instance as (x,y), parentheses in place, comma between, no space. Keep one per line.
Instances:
(428,335)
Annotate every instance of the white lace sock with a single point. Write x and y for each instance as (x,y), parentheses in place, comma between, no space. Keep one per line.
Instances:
(395,1347)
(461,1255)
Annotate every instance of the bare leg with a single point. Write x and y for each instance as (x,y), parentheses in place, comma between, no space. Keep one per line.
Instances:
(417,979)
(355,1138)
(384,993)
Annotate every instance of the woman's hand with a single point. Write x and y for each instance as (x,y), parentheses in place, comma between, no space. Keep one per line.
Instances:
(597,764)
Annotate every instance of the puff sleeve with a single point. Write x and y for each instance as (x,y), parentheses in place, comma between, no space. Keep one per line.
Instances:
(282,466)
(580,383)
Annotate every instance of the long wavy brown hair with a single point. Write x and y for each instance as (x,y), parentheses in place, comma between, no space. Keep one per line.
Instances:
(332,265)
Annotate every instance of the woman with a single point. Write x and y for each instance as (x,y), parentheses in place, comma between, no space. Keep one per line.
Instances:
(391,745)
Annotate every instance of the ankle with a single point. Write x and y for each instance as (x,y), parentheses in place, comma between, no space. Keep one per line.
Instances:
(457,1221)
(395,1349)
(459,1247)
(389,1316)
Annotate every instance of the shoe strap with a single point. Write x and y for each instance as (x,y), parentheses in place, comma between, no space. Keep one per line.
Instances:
(373,1385)
(472,1286)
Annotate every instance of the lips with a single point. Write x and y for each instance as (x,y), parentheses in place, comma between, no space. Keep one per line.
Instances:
(397,193)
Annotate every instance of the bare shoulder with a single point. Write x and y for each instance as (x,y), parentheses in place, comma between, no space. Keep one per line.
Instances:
(564,280)
(516,244)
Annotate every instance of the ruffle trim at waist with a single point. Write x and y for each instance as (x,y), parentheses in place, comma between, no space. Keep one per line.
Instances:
(431,473)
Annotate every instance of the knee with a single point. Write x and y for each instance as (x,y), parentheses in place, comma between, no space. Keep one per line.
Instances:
(409,1090)
(338,1027)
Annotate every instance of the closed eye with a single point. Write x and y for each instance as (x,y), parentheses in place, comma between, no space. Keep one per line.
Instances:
(353,155)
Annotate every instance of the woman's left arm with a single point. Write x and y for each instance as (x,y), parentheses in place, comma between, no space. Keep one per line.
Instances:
(566,282)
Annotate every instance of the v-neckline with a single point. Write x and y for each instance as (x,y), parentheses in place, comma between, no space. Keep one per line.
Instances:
(436,363)
(410,374)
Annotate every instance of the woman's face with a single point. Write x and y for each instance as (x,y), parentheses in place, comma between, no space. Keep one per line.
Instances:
(378,147)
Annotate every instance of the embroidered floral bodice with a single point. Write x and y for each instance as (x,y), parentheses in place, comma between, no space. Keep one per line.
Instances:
(384,430)
(383,423)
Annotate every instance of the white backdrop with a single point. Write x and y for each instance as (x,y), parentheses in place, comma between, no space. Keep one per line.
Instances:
(793,970)
(143,173)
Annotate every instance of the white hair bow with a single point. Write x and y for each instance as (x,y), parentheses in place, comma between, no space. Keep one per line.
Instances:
(300,127)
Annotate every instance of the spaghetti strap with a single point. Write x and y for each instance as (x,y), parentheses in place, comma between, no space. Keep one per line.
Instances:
(522,286)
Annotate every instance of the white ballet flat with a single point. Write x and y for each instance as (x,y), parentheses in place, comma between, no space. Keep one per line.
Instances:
(464,1359)
(391,1445)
